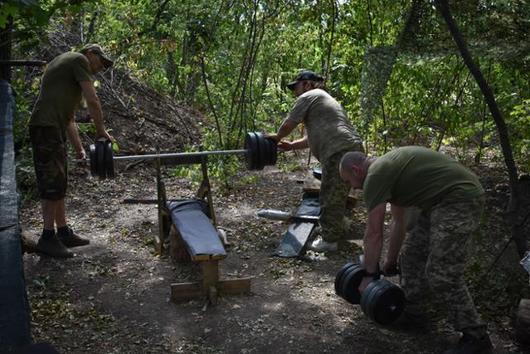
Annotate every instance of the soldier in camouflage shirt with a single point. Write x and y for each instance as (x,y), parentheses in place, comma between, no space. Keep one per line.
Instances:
(329,136)
(434,253)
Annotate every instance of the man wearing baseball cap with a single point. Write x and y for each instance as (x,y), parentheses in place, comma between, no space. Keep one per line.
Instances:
(66,80)
(329,136)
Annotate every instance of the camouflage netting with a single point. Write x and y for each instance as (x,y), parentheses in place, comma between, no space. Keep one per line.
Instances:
(496,279)
(377,68)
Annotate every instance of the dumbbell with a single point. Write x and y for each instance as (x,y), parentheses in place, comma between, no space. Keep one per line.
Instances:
(382,301)
(259,152)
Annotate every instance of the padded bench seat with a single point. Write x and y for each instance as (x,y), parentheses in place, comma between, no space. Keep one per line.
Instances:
(199,235)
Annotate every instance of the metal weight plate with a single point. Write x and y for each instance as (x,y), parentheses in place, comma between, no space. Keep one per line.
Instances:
(100,160)
(109,160)
(351,280)
(339,276)
(92,158)
(383,302)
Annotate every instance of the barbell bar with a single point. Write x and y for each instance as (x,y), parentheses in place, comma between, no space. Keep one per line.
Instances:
(259,152)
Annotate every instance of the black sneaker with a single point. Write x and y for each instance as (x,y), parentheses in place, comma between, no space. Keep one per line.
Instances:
(52,247)
(472,345)
(70,239)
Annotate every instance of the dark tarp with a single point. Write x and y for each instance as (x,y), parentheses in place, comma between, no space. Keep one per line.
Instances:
(14,308)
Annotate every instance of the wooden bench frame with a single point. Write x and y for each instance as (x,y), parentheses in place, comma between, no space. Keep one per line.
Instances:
(210,285)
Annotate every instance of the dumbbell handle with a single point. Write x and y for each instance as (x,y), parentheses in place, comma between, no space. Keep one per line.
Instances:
(393,272)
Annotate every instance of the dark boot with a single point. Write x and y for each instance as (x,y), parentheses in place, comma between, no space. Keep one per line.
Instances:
(51,246)
(472,345)
(69,238)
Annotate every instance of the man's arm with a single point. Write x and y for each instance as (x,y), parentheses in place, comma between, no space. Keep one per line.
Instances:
(373,238)
(285,129)
(73,136)
(94,109)
(397,235)
(294,145)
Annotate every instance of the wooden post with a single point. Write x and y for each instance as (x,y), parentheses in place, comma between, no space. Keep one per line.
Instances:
(161,202)
(206,181)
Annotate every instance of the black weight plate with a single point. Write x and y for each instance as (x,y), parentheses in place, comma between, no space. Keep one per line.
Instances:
(390,303)
(252,151)
(265,150)
(262,154)
(268,151)
(100,159)
(350,284)
(367,298)
(338,278)
(109,160)
(92,158)
(383,302)
(255,152)
(248,154)
(274,151)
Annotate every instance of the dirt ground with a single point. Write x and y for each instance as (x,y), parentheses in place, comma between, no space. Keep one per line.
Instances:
(113,296)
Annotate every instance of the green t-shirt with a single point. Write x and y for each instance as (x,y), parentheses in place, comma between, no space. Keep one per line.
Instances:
(417,176)
(60,92)
(328,128)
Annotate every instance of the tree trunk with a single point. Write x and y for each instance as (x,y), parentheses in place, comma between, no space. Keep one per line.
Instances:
(516,214)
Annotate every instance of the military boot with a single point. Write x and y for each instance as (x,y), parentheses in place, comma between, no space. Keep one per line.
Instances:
(51,246)
(69,238)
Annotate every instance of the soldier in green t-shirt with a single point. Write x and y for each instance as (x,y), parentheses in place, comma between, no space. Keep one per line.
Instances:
(67,79)
(434,253)
(329,136)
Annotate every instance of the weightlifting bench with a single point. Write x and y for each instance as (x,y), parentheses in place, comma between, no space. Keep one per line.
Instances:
(189,227)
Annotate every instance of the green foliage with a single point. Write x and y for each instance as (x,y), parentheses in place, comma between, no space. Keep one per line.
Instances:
(232,60)
(519,122)
(87,128)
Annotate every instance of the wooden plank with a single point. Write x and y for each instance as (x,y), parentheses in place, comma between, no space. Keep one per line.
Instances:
(207,257)
(234,286)
(210,273)
(186,291)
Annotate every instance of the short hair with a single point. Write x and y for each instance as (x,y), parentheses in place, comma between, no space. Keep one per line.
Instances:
(352,158)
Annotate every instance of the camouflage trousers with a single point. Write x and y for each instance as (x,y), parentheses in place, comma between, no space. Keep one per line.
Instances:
(333,197)
(433,261)
(49,159)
